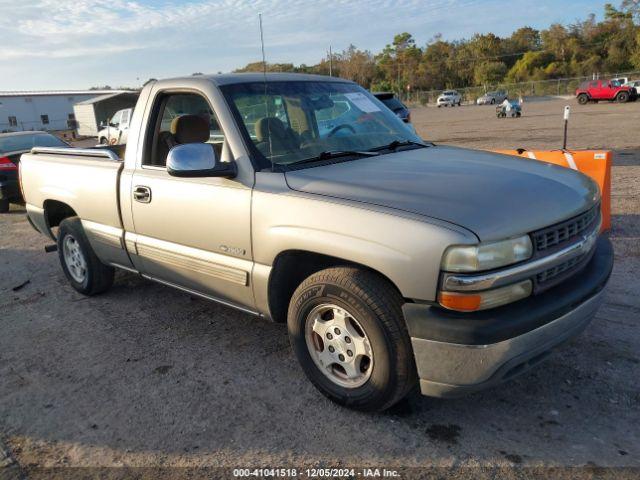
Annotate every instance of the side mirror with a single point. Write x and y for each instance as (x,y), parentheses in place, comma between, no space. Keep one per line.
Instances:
(198,160)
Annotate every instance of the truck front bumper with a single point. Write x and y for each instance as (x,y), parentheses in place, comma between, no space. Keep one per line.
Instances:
(459,353)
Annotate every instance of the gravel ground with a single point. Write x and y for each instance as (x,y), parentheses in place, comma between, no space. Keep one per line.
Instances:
(146,376)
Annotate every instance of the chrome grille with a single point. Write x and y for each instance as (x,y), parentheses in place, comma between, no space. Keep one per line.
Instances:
(556,270)
(564,232)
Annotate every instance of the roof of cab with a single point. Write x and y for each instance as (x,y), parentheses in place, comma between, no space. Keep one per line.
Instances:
(254,77)
(28,132)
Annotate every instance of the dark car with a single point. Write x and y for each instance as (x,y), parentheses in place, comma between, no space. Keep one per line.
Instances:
(395,105)
(12,146)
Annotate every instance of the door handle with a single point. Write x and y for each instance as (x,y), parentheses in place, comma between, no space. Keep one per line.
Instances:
(142,194)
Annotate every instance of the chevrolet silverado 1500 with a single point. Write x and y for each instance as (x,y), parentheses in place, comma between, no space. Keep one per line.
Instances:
(394,262)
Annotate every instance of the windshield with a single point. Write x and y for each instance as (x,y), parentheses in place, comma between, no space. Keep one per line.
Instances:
(392,103)
(16,143)
(298,121)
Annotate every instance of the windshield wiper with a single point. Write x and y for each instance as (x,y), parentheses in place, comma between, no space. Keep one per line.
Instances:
(329,154)
(393,146)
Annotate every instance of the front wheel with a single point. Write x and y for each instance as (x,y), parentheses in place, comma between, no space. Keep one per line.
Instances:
(4,205)
(80,264)
(347,330)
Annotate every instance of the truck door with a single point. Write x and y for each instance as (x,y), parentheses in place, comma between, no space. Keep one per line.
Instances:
(124,126)
(113,128)
(600,89)
(193,233)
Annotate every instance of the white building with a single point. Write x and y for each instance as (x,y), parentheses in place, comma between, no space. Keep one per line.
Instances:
(47,110)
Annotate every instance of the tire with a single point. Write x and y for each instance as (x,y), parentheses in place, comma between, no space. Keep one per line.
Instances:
(4,205)
(371,312)
(79,262)
(583,99)
(518,114)
(493,101)
(103,141)
(622,97)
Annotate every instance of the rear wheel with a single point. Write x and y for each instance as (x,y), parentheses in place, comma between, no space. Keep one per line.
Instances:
(347,330)
(4,205)
(622,97)
(583,99)
(79,262)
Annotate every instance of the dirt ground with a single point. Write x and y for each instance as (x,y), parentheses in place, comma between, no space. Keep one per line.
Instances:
(147,376)
(599,125)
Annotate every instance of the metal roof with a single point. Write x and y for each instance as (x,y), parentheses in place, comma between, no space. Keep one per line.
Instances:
(100,98)
(28,93)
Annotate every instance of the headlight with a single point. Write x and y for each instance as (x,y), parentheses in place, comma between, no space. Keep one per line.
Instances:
(487,256)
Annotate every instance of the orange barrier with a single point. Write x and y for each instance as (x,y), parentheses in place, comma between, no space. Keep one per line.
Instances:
(594,163)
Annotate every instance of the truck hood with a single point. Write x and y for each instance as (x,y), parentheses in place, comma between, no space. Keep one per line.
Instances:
(495,196)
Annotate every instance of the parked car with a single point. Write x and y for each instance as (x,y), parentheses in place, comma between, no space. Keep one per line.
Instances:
(598,90)
(394,262)
(395,105)
(449,98)
(12,145)
(116,130)
(491,98)
(633,84)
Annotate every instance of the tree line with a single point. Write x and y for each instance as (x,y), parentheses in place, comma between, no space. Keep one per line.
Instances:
(560,51)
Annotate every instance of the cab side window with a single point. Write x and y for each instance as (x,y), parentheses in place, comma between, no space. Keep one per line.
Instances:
(181,118)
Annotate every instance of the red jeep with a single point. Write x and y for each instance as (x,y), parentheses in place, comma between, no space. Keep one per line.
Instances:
(597,90)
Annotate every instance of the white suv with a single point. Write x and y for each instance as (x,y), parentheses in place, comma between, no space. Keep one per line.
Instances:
(449,98)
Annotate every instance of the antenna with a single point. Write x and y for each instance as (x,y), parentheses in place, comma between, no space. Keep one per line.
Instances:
(266,103)
(264,62)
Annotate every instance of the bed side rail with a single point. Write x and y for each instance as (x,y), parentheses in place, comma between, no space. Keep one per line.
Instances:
(101,153)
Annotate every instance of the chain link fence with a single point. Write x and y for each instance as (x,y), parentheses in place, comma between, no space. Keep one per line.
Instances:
(538,88)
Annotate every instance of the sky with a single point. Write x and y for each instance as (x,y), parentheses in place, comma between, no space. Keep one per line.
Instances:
(62,44)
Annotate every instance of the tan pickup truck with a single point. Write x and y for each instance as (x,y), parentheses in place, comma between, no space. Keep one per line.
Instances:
(395,262)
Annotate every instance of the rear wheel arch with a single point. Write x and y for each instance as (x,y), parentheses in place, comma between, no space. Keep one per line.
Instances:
(55,212)
(292,267)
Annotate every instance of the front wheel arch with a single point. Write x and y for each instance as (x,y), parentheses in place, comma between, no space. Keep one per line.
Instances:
(292,267)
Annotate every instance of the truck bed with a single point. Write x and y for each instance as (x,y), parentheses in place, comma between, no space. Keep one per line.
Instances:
(87,180)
